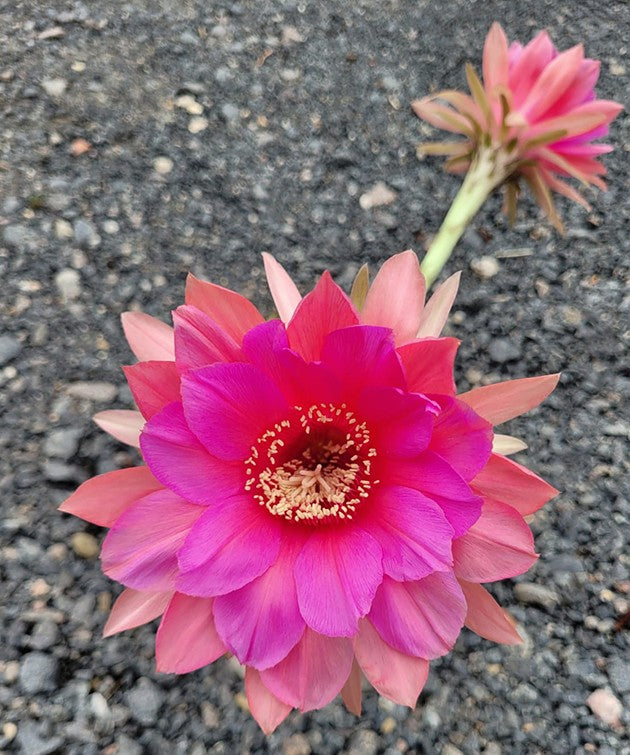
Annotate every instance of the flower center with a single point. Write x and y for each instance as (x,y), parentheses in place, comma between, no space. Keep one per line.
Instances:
(315,466)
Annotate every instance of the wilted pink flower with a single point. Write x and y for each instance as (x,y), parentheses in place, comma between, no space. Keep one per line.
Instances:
(316,500)
(534,116)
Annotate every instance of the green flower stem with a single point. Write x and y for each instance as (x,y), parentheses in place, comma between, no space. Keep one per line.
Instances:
(484,175)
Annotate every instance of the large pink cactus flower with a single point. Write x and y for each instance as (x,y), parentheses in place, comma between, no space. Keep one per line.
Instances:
(316,499)
(534,116)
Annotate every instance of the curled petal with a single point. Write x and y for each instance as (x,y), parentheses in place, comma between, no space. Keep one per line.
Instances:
(428,364)
(200,341)
(133,608)
(153,385)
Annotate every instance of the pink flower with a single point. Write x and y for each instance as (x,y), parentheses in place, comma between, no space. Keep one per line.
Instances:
(535,114)
(316,500)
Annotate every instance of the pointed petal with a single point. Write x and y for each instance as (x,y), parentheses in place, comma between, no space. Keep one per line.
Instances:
(428,365)
(351,690)
(441,116)
(360,287)
(186,638)
(435,314)
(233,312)
(324,309)
(552,83)
(133,608)
(396,298)
(396,676)
(502,401)
(265,707)
(102,499)
(285,293)
(123,424)
(200,341)
(485,617)
(148,337)
(153,385)
(507,444)
(495,58)
(313,673)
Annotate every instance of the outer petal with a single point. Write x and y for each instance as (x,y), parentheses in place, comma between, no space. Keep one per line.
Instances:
(200,341)
(396,297)
(486,617)
(507,444)
(506,481)
(324,309)
(102,499)
(552,83)
(140,549)
(262,344)
(265,707)
(186,638)
(179,461)
(285,293)
(495,58)
(420,618)
(261,622)
(233,312)
(123,424)
(351,690)
(413,532)
(228,406)
(435,314)
(394,675)
(497,546)
(313,672)
(154,385)
(502,401)
(230,545)
(133,608)
(336,575)
(148,337)
(428,365)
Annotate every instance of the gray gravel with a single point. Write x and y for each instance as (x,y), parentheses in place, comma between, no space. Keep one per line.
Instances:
(141,139)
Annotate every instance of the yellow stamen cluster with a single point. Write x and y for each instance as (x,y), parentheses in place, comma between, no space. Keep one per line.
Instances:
(322,471)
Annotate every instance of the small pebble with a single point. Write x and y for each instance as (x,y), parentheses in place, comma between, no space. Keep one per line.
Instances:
(605,706)
(63,230)
(68,284)
(93,390)
(9,348)
(162,165)
(38,673)
(198,124)
(380,194)
(54,87)
(84,545)
(485,267)
(538,595)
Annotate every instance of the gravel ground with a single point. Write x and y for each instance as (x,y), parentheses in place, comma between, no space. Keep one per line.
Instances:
(146,138)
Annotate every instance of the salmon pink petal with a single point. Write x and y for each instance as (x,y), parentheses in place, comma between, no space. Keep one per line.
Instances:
(529,65)
(497,546)
(186,638)
(506,481)
(485,616)
(123,424)
(552,83)
(102,499)
(140,549)
(285,293)
(133,608)
(200,341)
(336,575)
(396,297)
(228,406)
(351,690)
(148,337)
(495,58)
(261,621)
(502,401)
(324,309)
(361,356)
(265,707)
(396,676)
(234,542)
(428,364)
(580,91)
(434,315)
(153,385)
(413,533)
(231,311)
(179,461)
(421,618)
(461,437)
(313,673)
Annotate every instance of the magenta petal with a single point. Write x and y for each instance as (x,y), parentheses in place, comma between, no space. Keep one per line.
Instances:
(402,422)
(179,461)
(186,638)
(313,673)
(305,384)
(231,544)
(428,365)
(154,385)
(262,344)
(264,706)
(420,618)
(362,356)
(261,622)
(200,341)
(413,532)
(396,676)
(140,549)
(461,437)
(337,574)
(229,406)
(133,608)
(324,309)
